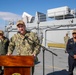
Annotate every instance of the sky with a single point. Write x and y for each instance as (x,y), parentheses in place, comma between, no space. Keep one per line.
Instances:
(13,9)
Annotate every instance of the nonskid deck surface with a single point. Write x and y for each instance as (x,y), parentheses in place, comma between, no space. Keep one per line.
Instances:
(54,65)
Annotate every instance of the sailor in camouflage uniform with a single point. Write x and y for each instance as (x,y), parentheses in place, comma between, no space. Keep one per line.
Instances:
(66,38)
(4,42)
(22,44)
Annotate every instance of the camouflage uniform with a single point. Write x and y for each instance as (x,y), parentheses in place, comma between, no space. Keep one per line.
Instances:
(24,46)
(3,49)
(4,42)
(66,38)
(4,46)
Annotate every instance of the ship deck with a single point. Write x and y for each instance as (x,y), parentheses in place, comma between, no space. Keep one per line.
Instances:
(53,65)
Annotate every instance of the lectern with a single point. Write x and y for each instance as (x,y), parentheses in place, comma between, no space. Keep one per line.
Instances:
(17,65)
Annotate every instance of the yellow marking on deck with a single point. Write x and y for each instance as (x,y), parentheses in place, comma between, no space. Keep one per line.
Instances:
(56,45)
(56,67)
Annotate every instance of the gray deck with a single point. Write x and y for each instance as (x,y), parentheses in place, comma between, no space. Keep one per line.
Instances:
(58,66)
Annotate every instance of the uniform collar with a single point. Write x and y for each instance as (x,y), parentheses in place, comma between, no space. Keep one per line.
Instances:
(23,36)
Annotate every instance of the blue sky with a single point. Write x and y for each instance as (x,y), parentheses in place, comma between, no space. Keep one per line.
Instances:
(17,7)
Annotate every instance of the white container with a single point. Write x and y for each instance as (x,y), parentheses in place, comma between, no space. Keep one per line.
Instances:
(58,11)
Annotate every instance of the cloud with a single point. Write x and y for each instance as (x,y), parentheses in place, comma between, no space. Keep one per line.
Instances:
(9,16)
(6,17)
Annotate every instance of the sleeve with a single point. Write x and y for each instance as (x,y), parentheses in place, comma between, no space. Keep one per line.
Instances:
(11,45)
(36,45)
(69,48)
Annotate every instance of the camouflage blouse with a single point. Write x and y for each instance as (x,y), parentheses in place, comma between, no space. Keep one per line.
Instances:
(23,45)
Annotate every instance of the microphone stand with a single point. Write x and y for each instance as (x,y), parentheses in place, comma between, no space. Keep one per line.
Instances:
(44,48)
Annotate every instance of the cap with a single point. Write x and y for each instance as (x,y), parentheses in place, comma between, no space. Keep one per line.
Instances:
(74,31)
(1,32)
(20,22)
(66,33)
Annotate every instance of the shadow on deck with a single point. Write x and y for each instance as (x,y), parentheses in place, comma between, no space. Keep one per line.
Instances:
(62,72)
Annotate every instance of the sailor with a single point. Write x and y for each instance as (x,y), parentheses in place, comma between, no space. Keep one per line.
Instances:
(71,49)
(4,42)
(66,38)
(21,42)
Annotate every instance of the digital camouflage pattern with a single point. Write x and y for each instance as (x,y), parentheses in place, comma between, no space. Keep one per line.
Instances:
(23,45)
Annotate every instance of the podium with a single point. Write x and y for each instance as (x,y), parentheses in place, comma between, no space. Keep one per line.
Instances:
(17,65)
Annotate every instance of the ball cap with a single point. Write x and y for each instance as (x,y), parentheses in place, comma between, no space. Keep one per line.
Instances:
(74,31)
(1,32)
(20,22)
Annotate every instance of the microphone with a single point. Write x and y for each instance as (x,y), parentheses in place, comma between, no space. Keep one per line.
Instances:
(26,37)
(29,39)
